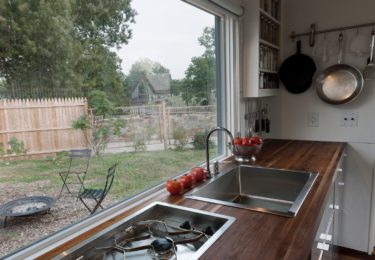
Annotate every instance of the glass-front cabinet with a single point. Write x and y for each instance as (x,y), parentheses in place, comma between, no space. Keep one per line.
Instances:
(261,48)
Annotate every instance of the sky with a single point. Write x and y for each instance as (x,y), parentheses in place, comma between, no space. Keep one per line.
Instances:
(165,31)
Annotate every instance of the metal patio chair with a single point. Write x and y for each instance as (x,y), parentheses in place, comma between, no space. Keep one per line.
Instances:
(79,161)
(98,195)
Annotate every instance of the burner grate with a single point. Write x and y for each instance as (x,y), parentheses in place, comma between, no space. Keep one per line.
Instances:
(156,237)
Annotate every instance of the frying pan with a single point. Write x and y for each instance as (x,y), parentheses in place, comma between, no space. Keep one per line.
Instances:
(297,71)
(340,83)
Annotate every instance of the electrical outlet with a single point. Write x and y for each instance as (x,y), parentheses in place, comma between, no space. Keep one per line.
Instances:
(349,119)
(313,119)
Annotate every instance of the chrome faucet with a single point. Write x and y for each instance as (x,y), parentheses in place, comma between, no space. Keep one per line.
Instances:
(219,128)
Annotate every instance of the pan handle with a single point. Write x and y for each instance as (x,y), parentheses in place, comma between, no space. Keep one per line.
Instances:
(341,45)
(299,47)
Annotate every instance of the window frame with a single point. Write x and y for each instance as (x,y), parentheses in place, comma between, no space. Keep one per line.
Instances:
(228,70)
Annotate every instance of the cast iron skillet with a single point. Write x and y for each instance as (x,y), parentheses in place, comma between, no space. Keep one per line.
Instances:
(297,72)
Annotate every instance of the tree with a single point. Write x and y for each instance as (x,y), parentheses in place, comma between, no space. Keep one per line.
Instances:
(207,40)
(200,76)
(99,128)
(49,46)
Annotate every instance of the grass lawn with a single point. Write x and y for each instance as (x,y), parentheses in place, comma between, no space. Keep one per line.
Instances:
(135,171)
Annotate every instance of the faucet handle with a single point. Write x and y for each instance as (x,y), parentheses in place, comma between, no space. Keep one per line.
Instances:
(216,167)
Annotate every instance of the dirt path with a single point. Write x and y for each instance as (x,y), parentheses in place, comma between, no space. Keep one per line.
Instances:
(21,231)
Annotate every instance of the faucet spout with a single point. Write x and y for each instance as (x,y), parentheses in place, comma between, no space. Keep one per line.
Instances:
(219,128)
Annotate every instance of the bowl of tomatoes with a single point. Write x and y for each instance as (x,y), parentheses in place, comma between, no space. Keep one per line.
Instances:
(245,148)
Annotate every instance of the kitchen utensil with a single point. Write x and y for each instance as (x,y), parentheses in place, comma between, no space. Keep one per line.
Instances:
(297,71)
(358,45)
(340,83)
(369,72)
(268,122)
(320,50)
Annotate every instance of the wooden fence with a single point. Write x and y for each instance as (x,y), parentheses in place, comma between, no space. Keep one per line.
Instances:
(44,125)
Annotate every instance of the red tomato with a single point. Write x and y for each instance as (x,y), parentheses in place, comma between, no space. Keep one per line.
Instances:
(174,187)
(237,141)
(186,180)
(246,141)
(198,173)
(256,140)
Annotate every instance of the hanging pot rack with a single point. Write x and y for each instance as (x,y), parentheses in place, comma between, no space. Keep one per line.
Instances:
(313,32)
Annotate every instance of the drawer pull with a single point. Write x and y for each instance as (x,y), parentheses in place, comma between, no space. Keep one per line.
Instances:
(326,237)
(339,169)
(341,183)
(334,206)
(323,246)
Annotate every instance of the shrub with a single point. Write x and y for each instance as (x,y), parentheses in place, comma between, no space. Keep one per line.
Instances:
(100,131)
(16,147)
(139,143)
(59,157)
(180,137)
(2,152)
(199,140)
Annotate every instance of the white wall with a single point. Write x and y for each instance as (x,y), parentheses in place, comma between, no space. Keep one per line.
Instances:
(293,109)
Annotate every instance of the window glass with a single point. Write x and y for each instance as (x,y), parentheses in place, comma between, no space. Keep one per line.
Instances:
(134,81)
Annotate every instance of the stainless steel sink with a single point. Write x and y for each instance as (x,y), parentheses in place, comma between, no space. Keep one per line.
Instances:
(276,191)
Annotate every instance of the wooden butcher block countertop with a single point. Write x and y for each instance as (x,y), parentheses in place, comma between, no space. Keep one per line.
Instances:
(257,235)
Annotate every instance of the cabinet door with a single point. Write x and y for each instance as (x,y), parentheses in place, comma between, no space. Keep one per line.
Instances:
(338,205)
(323,245)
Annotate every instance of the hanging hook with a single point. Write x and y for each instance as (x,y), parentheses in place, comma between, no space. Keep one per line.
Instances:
(312,35)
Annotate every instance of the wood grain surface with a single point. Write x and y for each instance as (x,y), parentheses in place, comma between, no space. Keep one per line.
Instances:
(256,235)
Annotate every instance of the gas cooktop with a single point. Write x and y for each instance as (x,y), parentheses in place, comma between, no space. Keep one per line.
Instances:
(158,231)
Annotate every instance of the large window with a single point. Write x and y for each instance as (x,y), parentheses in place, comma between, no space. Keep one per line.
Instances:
(138,82)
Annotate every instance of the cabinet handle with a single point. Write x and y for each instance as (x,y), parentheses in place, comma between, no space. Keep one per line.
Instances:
(339,169)
(326,237)
(331,206)
(341,183)
(323,246)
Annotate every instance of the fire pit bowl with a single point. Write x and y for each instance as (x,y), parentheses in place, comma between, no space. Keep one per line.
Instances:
(26,206)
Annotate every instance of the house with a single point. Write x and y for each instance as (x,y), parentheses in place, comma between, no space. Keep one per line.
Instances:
(151,88)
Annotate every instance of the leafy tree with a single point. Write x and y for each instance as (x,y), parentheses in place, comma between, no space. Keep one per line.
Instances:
(177,86)
(50,46)
(100,103)
(199,80)
(200,76)
(207,40)
(98,129)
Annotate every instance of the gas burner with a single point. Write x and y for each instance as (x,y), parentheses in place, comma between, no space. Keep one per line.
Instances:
(162,248)
(159,239)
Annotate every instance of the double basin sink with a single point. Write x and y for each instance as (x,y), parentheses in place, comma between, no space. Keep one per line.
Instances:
(276,191)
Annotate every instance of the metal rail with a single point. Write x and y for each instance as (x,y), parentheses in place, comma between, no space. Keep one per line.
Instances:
(294,35)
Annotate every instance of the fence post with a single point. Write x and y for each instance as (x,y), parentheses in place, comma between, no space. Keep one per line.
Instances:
(160,115)
(164,121)
(169,125)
